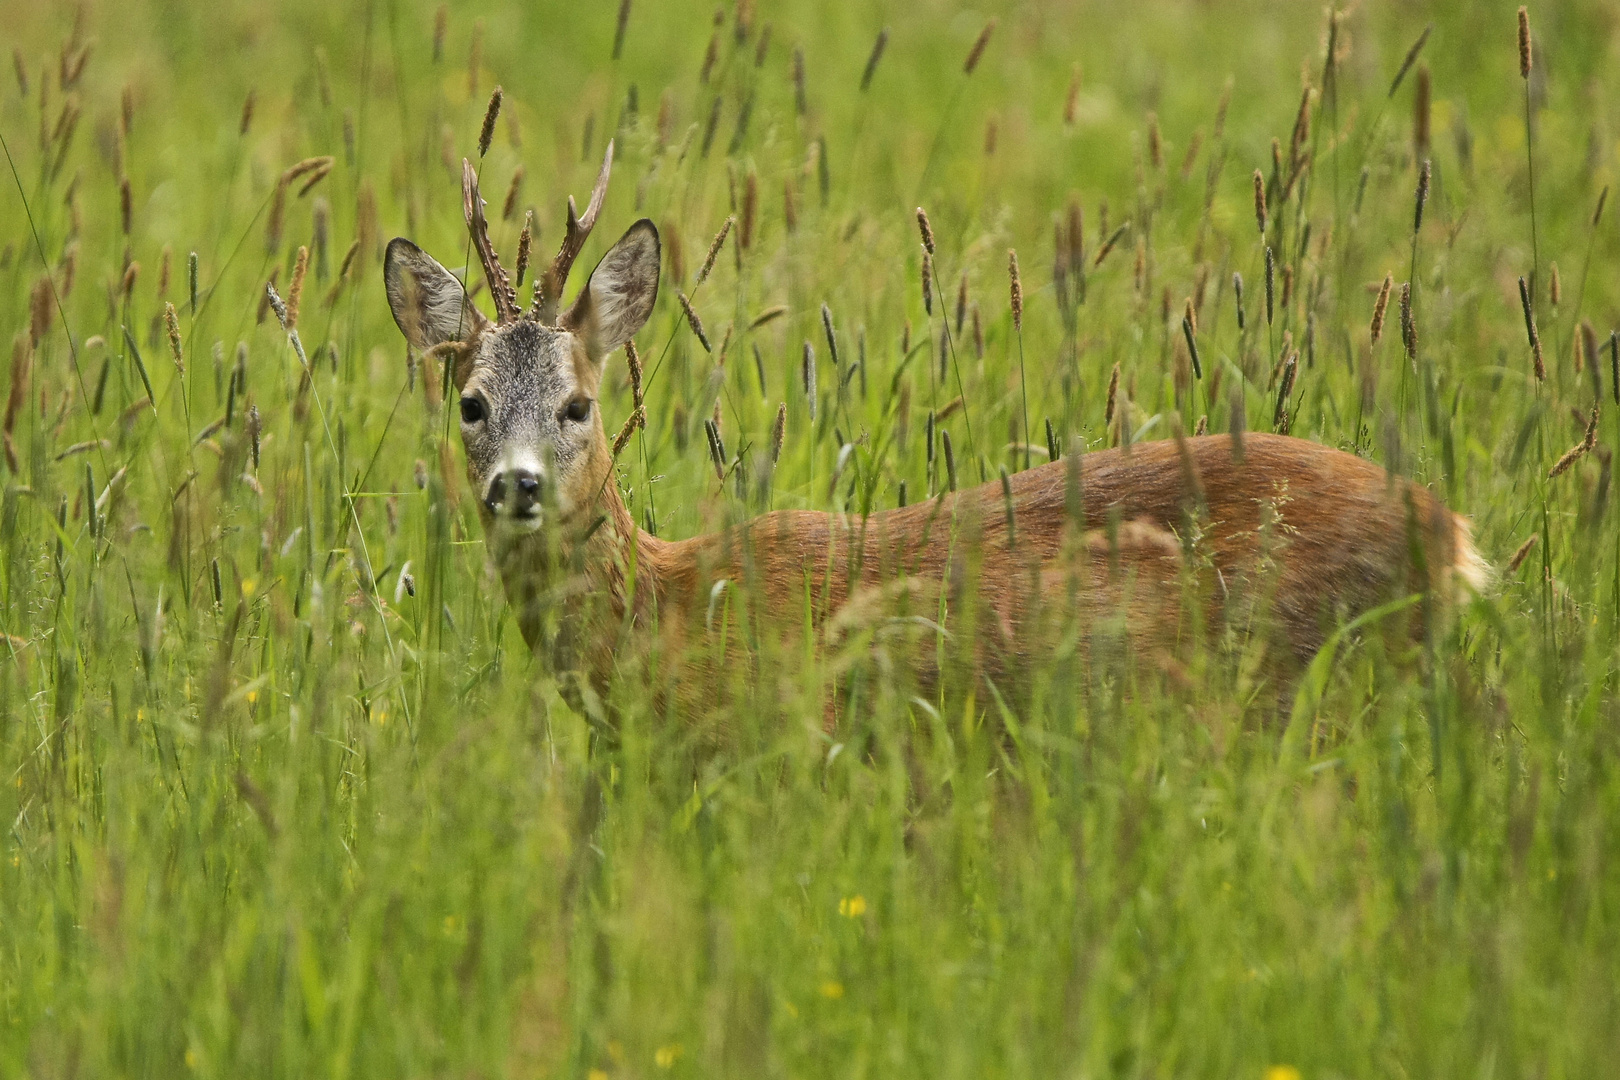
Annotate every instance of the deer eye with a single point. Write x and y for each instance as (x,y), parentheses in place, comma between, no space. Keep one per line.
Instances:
(577,410)
(472,410)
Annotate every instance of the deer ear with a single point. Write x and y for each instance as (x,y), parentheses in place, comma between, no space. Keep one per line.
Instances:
(619,295)
(430,306)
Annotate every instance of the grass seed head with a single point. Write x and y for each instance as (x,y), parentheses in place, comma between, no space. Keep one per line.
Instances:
(276,303)
(763,48)
(800,104)
(1580,449)
(717,448)
(39,309)
(525,239)
(1285,388)
(878,46)
(832,336)
(750,210)
(1071,101)
(295,290)
(1302,127)
(1522,553)
(693,321)
(778,432)
(492,112)
(926,230)
(1530,330)
(1077,237)
(1260,202)
(714,249)
(514,195)
(1422,196)
(1555,286)
(620,27)
(1271,283)
(1113,396)
(276,218)
(1411,58)
(172,322)
(441,26)
(928,283)
(1379,307)
(254,427)
(1016,289)
(1524,43)
(1189,330)
(976,53)
(807,375)
(132,273)
(1614,365)
(711,56)
(1587,354)
(1408,327)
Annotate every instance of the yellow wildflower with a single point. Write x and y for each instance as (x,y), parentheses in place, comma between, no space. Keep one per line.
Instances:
(852,907)
(666,1056)
(1282,1072)
(832,990)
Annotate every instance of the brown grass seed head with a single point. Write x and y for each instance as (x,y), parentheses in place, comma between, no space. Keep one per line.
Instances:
(1524,43)
(979,44)
(492,112)
(1380,307)
(1017,290)
(525,239)
(878,46)
(693,321)
(714,250)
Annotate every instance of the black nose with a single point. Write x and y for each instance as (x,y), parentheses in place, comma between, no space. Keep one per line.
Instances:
(528,492)
(524,487)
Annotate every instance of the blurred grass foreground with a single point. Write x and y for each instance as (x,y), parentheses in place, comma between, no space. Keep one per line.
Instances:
(288,796)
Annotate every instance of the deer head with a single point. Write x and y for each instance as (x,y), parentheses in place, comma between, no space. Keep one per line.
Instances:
(528,382)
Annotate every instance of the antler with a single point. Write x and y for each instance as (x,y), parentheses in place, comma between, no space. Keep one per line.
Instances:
(548,289)
(500,287)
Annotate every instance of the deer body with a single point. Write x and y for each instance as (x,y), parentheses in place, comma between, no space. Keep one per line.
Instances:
(1297,534)
(1330,535)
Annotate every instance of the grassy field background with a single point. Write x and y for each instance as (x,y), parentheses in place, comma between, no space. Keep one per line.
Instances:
(272,813)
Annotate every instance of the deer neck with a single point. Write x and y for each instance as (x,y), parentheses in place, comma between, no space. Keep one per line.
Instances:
(572,587)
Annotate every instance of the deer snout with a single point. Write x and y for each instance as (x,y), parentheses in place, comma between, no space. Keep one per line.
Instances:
(517,491)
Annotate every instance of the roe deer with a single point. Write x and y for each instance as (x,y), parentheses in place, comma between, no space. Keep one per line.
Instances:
(1331,535)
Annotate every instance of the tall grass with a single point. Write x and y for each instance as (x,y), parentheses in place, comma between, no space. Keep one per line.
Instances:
(288,795)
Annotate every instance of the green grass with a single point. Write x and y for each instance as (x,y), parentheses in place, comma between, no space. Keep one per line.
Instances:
(313,825)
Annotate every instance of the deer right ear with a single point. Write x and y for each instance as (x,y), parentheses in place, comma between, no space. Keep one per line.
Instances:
(430,305)
(620,294)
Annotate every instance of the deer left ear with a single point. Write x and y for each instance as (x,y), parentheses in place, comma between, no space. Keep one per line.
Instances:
(619,296)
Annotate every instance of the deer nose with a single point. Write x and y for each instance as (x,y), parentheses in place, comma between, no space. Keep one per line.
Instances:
(528,492)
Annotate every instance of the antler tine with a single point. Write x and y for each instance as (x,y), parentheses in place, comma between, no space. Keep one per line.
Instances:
(500,287)
(548,290)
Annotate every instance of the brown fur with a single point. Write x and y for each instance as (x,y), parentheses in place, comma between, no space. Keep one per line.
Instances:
(1301,535)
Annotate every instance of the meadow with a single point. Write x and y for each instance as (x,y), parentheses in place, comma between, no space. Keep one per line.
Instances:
(288,796)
